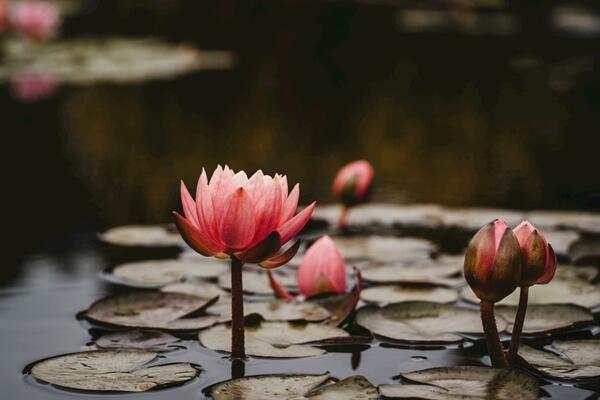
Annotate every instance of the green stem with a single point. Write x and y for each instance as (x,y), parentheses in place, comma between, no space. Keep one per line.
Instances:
(518,325)
(491,335)
(237,310)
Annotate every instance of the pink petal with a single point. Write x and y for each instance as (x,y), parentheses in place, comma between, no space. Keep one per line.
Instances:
(291,204)
(278,289)
(189,207)
(237,222)
(268,209)
(291,228)
(550,267)
(205,211)
(194,237)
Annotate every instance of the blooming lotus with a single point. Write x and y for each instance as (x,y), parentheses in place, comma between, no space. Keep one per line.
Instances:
(35,19)
(352,186)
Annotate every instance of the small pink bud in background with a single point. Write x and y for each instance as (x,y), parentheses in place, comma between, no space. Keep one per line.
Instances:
(3,15)
(32,87)
(35,19)
(493,262)
(352,184)
(539,260)
(322,269)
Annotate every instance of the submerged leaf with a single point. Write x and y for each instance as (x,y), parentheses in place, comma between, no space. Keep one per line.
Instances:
(137,340)
(163,272)
(541,318)
(110,370)
(390,294)
(577,359)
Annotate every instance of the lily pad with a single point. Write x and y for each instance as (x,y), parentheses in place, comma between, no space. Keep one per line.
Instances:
(122,371)
(157,273)
(257,281)
(142,236)
(564,219)
(472,219)
(275,310)
(414,274)
(341,306)
(354,387)
(572,359)
(152,310)
(561,241)
(464,382)
(384,248)
(137,340)
(586,251)
(542,318)
(204,290)
(421,321)
(267,387)
(390,294)
(273,339)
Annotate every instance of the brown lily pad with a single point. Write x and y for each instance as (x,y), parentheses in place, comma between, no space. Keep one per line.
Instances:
(273,339)
(575,220)
(275,310)
(586,251)
(257,281)
(561,241)
(268,387)
(152,310)
(341,306)
(464,382)
(137,340)
(142,236)
(420,273)
(572,359)
(541,318)
(158,273)
(472,219)
(384,248)
(202,289)
(390,294)
(354,387)
(110,370)
(421,321)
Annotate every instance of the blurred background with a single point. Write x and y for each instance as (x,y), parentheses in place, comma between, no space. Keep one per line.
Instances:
(456,102)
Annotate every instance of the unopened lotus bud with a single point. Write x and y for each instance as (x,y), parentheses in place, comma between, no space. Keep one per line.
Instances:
(493,262)
(539,260)
(352,184)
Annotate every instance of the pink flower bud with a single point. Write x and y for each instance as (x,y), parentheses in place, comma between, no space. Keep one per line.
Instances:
(35,19)
(352,184)
(539,260)
(32,87)
(493,262)
(3,16)
(322,269)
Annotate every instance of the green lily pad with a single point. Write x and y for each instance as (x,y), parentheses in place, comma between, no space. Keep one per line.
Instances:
(202,289)
(152,310)
(421,321)
(541,318)
(163,272)
(384,248)
(142,236)
(429,273)
(275,310)
(572,359)
(390,294)
(257,281)
(137,340)
(464,382)
(273,339)
(121,371)
(267,387)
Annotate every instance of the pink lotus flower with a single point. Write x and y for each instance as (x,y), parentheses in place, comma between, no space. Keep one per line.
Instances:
(246,218)
(32,87)
(35,19)
(322,269)
(352,184)
(539,260)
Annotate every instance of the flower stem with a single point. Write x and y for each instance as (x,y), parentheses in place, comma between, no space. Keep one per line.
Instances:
(491,335)
(343,219)
(237,310)
(518,325)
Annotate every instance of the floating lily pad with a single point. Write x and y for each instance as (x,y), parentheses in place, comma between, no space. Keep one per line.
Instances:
(341,306)
(420,273)
(561,241)
(422,321)
(546,317)
(465,382)
(273,339)
(157,273)
(257,281)
(586,251)
(114,60)
(137,340)
(122,371)
(142,236)
(275,310)
(472,219)
(574,359)
(564,219)
(267,387)
(204,290)
(152,310)
(384,248)
(390,294)
(354,387)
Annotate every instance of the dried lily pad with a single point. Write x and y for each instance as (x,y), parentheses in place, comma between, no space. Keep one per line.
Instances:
(162,272)
(115,60)
(257,282)
(390,294)
(273,339)
(426,273)
(275,310)
(422,321)
(384,248)
(109,370)
(267,387)
(464,382)
(152,310)
(574,359)
(546,317)
(204,290)
(142,236)
(137,340)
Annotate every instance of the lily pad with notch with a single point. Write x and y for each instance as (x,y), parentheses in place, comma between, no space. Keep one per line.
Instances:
(275,310)
(111,370)
(565,359)
(422,321)
(137,340)
(384,248)
(463,382)
(543,318)
(257,281)
(390,294)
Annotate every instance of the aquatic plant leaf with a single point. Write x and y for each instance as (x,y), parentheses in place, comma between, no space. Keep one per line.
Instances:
(257,282)
(110,370)
(430,273)
(162,272)
(422,321)
(390,294)
(142,236)
(275,310)
(541,318)
(586,251)
(137,340)
(202,289)
(273,339)
(473,218)
(464,382)
(561,241)
(354,387)
(341,306)
(267,387)
(383,248)
(152,310)
(577,359)
(576,220)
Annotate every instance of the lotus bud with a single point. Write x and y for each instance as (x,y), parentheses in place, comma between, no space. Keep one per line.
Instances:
(322,269)
(352,184)
(35,19)
(3,16)
(539,260)
(493,262)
